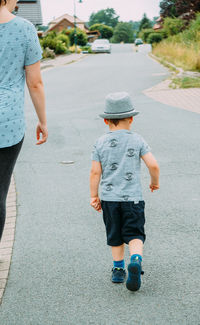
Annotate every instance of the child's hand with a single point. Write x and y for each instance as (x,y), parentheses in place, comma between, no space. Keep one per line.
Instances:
(154,187)
(96,203)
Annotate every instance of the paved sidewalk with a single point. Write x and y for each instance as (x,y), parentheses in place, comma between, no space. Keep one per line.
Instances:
(61,60)
(188,99)
(6,244)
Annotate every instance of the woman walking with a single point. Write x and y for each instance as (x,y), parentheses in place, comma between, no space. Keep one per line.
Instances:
(20,55)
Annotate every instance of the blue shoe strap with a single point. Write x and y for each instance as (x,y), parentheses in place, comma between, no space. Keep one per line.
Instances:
(136,257)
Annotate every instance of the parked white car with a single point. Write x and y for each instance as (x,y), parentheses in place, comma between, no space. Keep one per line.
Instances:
(101,46)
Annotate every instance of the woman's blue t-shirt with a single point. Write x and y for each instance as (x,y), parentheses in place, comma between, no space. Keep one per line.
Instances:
(19,47)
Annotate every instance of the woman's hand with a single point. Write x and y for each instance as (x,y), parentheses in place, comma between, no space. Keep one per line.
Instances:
(41,129)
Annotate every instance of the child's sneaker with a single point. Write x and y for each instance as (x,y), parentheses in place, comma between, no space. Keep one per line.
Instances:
(133,282)
(118,275)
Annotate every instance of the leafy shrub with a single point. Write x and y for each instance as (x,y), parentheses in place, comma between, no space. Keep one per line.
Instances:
(81,37)
(154,38)
(48,53)
(144,34)
(123,33)
(49,42)
(86,48)
(64,39)
(72,49)
(173,26)
(60,47)
(106,31)
(52,34)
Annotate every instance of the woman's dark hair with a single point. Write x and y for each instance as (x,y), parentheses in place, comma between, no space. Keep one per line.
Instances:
(3,2)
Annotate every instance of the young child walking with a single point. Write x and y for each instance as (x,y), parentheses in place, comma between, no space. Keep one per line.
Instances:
(116,160)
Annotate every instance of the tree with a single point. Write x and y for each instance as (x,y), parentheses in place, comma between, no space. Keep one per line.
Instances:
(81,37)
(168,8)
(123,32)
(145,23)
(106,31)
(105,16)
(173,26)
(187,7)
(176,8)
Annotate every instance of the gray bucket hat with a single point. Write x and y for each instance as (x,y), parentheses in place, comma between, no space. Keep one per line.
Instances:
(118,106)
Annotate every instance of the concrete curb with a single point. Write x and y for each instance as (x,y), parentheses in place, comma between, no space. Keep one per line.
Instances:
(61,60)
(181,72)
(6,245)
(184,98)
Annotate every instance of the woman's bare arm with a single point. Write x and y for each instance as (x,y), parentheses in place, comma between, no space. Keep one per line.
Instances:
(36,90)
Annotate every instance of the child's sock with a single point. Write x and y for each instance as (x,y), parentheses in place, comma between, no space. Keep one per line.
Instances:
(119,264)
(136,257)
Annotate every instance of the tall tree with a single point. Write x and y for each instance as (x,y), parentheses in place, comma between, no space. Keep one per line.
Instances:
(190,7)
(105,16)
(168,8)
(106,31)
(176,8)
(145,23)
(123,32)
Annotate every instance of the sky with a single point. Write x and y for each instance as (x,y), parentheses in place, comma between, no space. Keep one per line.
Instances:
(126,9)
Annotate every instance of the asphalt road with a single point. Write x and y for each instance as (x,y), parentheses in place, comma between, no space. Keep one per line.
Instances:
(61,267)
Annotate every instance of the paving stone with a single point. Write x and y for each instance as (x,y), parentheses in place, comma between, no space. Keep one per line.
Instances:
(5,251)
(7,244)
(8,232)
(2,283)
(10,220)
(9,226)
(187,99)
(4,266)
(10,214)
(9,237)
(3,275)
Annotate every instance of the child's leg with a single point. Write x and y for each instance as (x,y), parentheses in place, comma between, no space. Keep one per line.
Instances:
(134,268)
(118,271)
(136,247)
(118,252)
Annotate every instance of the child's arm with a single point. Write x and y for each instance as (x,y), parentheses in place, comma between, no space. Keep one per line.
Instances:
(95,176)
(154,170)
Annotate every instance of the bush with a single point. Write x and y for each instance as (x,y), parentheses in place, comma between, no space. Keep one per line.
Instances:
(173,26)
(123,33)
(49,42)
(51,34)
(81,37)
(106,31)
(72,49)
(60,47)
(48,53)
(64,39)
(154,38)
(144,34)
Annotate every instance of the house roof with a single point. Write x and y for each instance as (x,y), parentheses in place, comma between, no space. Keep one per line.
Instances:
(67,17)
(157,26)
(160,19)
(30,11)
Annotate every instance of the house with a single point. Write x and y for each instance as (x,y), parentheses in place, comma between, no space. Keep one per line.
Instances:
(93,35)
(30,10)
(159,24)
(66,22)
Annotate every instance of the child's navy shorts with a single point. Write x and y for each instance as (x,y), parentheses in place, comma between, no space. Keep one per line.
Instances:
(124,221)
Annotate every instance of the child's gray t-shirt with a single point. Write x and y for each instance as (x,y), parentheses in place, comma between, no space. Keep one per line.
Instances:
(119,153)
